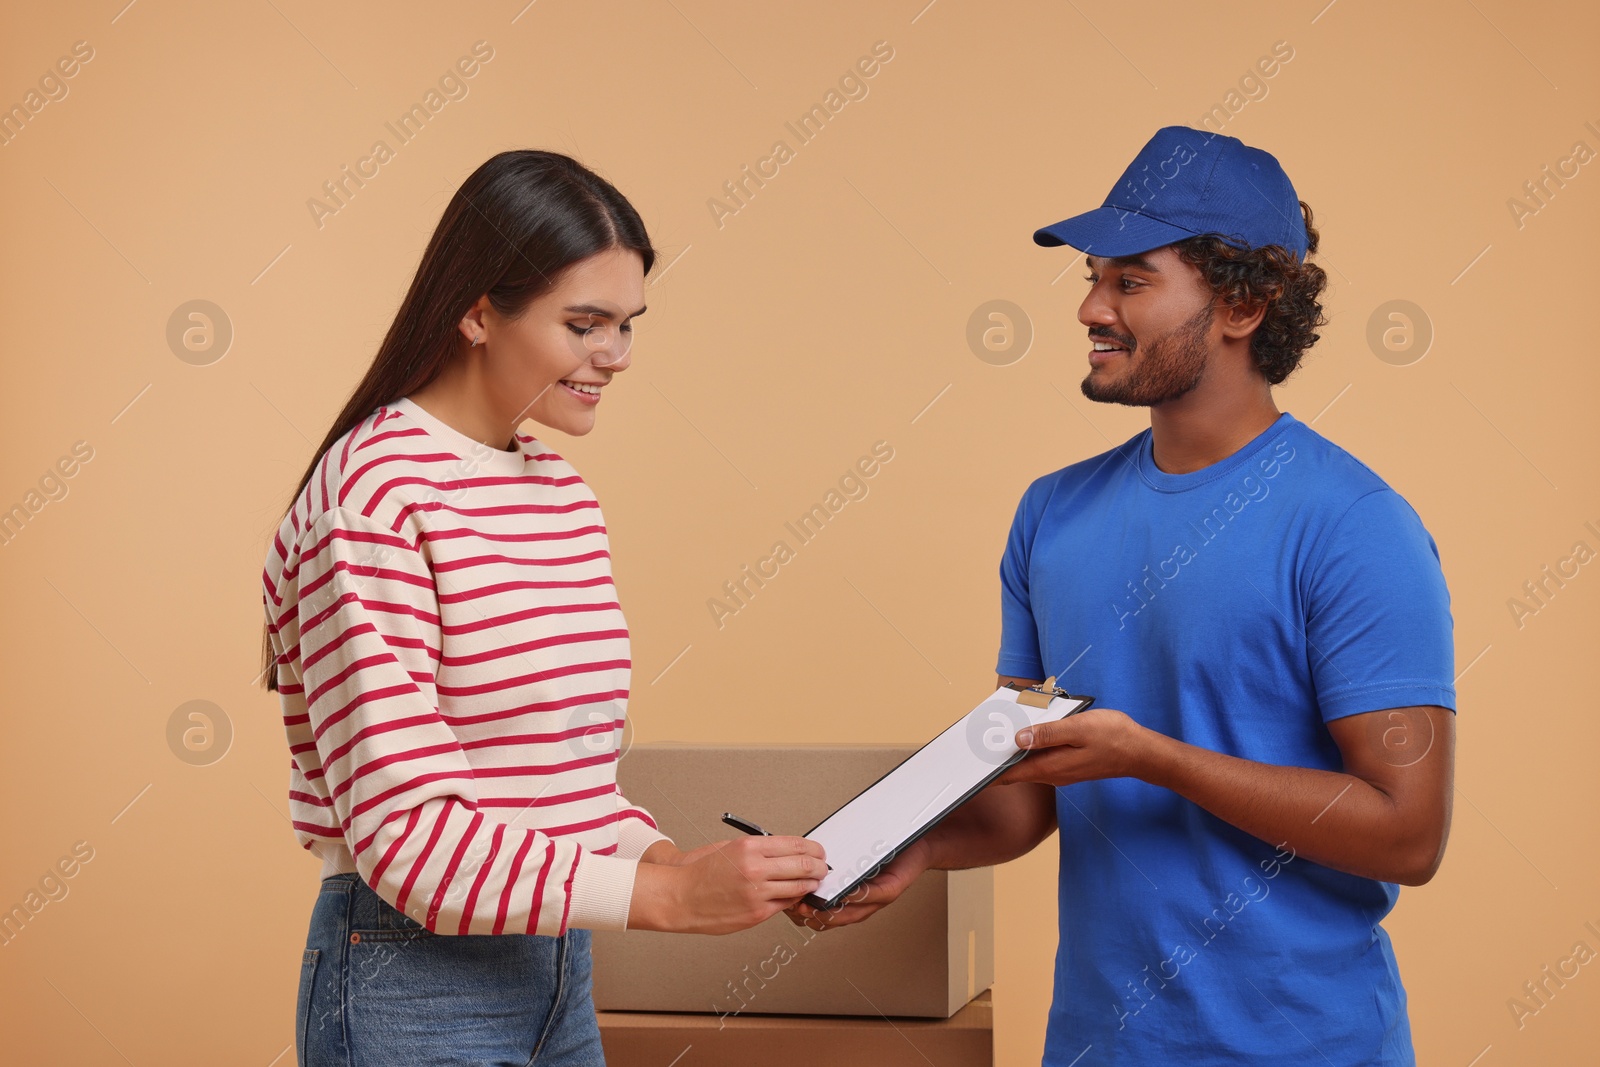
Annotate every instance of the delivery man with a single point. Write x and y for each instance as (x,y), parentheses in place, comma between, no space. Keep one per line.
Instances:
(1273,620)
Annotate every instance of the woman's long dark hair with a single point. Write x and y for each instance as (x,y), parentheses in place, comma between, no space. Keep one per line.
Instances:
(513,226)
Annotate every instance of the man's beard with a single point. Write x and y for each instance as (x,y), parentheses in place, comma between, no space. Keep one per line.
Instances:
(1172,365)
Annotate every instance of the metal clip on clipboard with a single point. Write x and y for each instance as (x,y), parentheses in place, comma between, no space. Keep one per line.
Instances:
(1038,696)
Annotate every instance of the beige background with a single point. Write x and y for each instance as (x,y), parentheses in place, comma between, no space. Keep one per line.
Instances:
(826,315)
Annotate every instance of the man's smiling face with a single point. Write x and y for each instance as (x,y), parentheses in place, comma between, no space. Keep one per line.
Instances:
(1150,318)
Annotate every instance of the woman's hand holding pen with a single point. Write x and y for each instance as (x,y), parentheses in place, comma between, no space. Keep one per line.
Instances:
(725,886)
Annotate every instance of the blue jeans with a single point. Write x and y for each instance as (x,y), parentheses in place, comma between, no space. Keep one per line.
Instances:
(378,988)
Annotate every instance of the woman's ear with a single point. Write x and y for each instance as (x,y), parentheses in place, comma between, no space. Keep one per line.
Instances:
(472,323)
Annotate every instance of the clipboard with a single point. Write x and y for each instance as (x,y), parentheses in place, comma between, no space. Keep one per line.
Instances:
(878,823)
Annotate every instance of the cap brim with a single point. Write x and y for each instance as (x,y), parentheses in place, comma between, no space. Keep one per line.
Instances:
(1110,231)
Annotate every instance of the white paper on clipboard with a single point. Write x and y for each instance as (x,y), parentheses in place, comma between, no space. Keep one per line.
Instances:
(905,803)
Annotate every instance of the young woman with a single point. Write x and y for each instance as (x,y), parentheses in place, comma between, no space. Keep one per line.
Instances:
(453,664)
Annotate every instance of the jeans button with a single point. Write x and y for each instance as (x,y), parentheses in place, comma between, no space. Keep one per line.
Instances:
(355,939)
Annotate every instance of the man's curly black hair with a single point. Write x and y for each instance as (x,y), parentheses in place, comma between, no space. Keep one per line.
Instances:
(1269,275)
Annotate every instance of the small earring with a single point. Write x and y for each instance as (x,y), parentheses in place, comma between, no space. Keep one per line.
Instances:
(474,343)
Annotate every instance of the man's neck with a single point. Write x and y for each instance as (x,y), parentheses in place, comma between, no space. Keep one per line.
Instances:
(1199,429)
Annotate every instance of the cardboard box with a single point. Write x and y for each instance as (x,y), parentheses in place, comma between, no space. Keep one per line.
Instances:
(966,1039)
(925,956)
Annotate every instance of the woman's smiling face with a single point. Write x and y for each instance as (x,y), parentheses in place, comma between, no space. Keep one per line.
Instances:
(552,362)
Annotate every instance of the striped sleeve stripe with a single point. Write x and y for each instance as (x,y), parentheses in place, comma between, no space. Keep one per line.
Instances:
(412,818)
(484,591)
(495,622)
(495,841)
(498,557)
(516,870)
(502,684)
(523,647)
(498,510)
(407,482)
(533,707)
(454,864)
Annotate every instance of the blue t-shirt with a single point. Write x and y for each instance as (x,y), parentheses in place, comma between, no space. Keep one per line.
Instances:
(1237,608)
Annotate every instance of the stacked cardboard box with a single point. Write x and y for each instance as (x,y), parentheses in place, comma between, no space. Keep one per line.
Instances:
(867,992)
(642,1039)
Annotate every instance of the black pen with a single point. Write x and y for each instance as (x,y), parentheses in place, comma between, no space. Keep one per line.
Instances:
(744,824)
(749,827)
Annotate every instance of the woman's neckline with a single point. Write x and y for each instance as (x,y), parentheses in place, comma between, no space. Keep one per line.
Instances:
(468,449)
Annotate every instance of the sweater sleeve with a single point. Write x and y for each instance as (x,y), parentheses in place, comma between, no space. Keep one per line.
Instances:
(636,830)
(401,787)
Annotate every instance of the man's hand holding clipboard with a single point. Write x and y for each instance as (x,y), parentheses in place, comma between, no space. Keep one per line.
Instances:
(883,839)
(1093,743)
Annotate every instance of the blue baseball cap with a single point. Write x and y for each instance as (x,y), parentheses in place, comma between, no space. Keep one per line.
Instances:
(1183,183)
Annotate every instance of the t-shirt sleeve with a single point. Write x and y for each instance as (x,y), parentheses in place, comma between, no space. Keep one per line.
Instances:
(402,789)
(1019,634)
(1378,619)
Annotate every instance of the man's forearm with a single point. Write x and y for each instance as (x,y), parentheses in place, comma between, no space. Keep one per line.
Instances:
(996,826)
(1335,819)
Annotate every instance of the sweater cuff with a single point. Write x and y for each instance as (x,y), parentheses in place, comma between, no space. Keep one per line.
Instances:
(602,889)
(634,835)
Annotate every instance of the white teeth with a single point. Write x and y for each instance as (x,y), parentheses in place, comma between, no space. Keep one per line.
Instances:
(1101,346)
(582,387)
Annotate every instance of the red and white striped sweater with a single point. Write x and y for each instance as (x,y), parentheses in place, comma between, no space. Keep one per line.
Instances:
(454,667)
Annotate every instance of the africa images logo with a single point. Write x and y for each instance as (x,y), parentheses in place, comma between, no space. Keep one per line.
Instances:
(1206,529)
